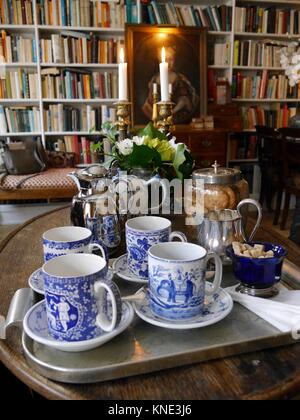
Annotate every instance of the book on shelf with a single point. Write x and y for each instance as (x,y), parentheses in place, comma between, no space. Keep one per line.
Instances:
(222,54)
(19,84)
(216,18)
(243,147)
(22,119)
(17,49)
(263,85)
(70,47)
(81,13)
(16,12)
(276,117)
(60,118)
(3,123)
(79,84)
(251,53)
(272,20)
(81,146)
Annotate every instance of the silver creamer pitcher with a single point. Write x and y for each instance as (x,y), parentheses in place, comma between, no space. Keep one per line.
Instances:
(223,227)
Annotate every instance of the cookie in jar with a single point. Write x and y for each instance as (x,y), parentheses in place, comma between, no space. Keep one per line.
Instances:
(220,189)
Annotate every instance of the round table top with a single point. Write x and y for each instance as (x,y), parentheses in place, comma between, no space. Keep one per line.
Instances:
(269,374)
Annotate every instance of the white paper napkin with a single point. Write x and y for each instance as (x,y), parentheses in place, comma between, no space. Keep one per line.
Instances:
(282,311)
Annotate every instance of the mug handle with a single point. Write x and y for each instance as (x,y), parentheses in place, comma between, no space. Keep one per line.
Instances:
(178,235)
(218,273)
(102,288)
(99,246)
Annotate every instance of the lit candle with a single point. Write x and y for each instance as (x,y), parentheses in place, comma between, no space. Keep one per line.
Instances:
(123,92)
(164,77)
(154,88)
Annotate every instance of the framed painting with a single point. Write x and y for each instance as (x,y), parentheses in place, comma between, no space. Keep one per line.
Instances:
(186,54)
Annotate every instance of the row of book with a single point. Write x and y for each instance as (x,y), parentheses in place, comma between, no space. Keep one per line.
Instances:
(81,13)
(72,47)
(216,18)
(270,20)
(222,52)
(20,120)
(60,118)
(17,49)
(19,84)
(263,86)
(82,147)
(256,54)
(78,84)
(276,117)
(16,12)
(243,147)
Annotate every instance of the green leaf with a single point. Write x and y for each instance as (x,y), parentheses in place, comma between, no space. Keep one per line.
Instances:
(143,156)
(152,132)
(183,162)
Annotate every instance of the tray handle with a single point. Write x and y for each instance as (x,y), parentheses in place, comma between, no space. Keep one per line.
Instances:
(21,302)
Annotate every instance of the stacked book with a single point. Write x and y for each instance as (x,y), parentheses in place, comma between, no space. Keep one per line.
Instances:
(78,84)
(77,47)
(216,18)
(59,118)
(16,12)
(270,20)
(19,84)
(22,119)
(263,86)
(222,54)
(17,49)
(277,117)
(81,13)
(256,54)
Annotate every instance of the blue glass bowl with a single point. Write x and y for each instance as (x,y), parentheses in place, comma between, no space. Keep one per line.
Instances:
(258,273)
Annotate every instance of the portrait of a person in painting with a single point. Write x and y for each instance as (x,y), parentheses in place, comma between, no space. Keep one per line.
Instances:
(184,93)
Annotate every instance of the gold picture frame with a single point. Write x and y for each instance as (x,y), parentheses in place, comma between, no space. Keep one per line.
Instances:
(187,57)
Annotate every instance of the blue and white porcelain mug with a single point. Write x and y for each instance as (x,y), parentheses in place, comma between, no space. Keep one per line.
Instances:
(177,285)
(70,240)
(79,297)
(141,234)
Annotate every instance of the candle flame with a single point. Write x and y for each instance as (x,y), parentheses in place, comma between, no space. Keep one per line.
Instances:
(122,56)
(163,55)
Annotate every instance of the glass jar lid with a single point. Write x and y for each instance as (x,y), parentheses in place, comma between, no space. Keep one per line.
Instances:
(218,175)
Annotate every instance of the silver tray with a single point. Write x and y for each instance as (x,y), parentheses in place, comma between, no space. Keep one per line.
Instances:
(144,348)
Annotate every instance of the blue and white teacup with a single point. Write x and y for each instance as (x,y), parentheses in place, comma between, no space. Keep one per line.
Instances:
(141,234)
(80,300)
(177,285)
(70,240)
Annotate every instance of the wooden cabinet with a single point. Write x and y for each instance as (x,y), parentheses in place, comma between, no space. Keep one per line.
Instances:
(207,146)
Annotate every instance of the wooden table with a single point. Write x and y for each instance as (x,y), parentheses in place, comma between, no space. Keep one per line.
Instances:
(268,374)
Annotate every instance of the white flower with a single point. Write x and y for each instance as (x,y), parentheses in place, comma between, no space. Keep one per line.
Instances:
(139,141)
(125,147)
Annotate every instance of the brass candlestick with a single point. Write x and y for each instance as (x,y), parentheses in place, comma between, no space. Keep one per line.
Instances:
(154,109)
(166,113)
(123,115)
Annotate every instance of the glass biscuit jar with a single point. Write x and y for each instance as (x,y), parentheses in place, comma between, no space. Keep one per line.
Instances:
(220,189)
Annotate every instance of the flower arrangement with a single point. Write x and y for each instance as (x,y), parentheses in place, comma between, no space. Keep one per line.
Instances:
(290,62)
(149,149)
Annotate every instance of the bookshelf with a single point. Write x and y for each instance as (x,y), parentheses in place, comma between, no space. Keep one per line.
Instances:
(40,29)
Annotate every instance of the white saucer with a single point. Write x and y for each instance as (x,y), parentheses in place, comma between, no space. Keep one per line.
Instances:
(36,280)
(120,268)
(35,326)
(219,308)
